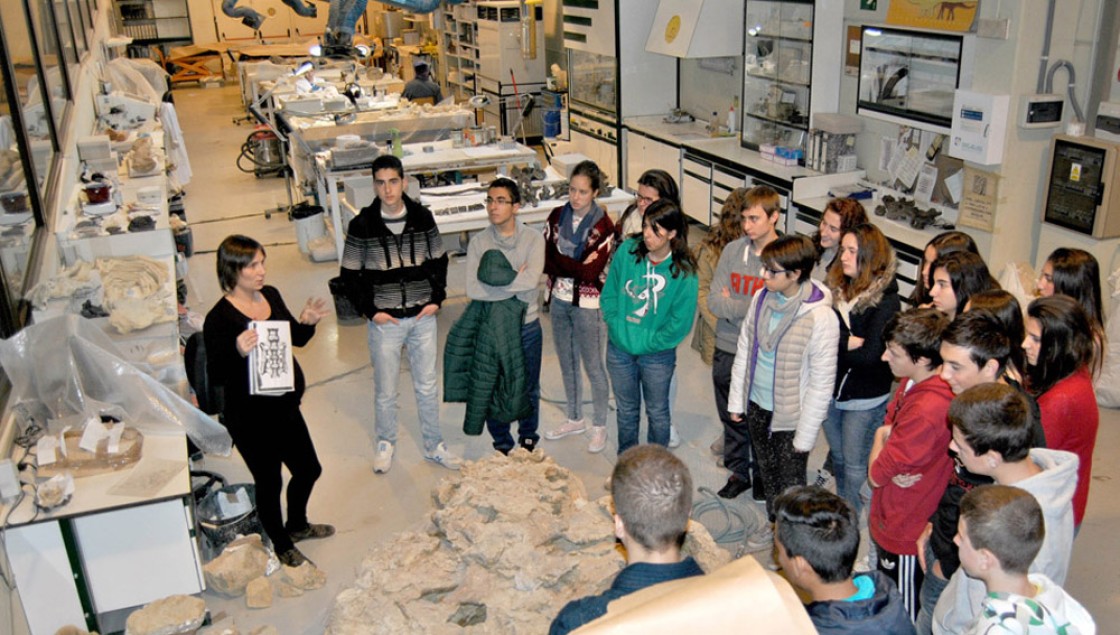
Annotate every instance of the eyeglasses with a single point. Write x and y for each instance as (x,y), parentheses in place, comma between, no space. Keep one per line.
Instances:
(645,200)
(498,201)
(772,272)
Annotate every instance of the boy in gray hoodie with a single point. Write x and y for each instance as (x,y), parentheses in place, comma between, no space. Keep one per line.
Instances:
(992,436)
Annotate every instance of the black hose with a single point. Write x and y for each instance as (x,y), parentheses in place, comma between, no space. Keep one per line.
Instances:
(247,153)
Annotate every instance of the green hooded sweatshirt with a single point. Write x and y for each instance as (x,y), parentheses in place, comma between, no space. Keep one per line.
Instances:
(646,309)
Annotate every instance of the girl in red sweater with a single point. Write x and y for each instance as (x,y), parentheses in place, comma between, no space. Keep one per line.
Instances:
(1060,357)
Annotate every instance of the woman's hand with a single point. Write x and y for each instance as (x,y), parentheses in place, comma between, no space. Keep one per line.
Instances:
(854,342)
(313,311)
(429,309)
(246,342)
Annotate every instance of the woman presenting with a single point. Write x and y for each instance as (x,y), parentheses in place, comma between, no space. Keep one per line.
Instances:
(269,431)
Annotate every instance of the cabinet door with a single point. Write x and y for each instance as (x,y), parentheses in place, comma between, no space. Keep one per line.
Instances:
(696,189)
(645,153)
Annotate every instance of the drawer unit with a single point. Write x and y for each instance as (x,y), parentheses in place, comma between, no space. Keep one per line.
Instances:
(696,188)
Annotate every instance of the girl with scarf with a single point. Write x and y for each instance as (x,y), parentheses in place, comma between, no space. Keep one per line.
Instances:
(784,370)
(578,241)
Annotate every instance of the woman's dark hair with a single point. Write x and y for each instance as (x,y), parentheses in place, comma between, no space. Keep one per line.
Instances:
(591,171)
(659,180)
(943,243)
(790,252)
(851,213)
(1002,307)
(509,185)
(967,273)
(668,216)
(234,254)
(1077,274)
(874,256)
(663,182)
(1066,344)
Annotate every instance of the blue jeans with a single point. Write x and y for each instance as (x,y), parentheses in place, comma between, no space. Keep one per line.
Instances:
(633,378)
(850,434)
(579,335)
(932,588)
(344,15)
(385,342)
(531,341)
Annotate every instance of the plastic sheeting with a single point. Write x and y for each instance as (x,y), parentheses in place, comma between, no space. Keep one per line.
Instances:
(66,366)
(142,78)
(1107,383)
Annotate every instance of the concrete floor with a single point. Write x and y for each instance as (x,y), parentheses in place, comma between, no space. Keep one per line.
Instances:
(368,508)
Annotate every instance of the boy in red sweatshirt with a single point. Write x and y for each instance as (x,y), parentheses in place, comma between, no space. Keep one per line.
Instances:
(909,463)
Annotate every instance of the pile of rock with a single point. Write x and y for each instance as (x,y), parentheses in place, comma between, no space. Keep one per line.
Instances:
(243,569)
(511,540)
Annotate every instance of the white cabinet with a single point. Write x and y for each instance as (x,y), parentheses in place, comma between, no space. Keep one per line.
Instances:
(724,181)
(646,153)
(603,153)
(696,188)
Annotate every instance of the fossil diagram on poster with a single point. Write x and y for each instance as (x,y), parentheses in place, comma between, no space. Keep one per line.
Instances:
(271,370)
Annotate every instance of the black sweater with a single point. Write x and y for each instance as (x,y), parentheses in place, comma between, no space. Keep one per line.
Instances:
(391,273)
(228,370)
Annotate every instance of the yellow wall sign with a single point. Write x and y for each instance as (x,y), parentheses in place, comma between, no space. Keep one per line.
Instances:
(942,15)
(672,29)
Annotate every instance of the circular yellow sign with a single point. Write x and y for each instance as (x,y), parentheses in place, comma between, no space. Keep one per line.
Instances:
(672,29)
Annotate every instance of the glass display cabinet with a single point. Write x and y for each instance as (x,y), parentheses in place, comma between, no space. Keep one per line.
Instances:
(910,77)
(791,69)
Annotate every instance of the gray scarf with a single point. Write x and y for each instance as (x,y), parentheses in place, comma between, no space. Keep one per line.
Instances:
(768,338)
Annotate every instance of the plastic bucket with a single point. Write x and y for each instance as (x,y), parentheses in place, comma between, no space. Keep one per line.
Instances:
(550,120)
(343,309)
(219,526)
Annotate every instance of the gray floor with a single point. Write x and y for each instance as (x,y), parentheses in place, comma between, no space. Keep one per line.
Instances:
(367,508)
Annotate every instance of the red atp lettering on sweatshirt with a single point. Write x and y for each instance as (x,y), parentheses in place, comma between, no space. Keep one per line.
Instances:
(746,285)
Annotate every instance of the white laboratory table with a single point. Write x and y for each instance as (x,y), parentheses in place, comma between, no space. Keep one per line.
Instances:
(443,157)
(91,561)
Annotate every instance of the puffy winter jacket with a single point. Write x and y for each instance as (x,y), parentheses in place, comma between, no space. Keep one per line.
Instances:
(483,362)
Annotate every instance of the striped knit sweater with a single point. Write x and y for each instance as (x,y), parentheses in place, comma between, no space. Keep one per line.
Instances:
(395,274)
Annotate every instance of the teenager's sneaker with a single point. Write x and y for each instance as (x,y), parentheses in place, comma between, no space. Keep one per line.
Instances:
(825,479)
(598,439)
(383,458)
(674,438)
(717,446)
(761,540)
(311,532)
(444,457)
(863,565)
(734,487)
(566,429)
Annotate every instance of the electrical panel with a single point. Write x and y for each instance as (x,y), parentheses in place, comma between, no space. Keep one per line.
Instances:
(1083,186)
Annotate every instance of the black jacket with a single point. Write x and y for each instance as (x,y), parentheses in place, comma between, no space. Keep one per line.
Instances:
(882,614)
(861,373)
(398,275)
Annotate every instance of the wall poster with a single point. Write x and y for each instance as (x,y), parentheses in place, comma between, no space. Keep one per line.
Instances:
(940,15)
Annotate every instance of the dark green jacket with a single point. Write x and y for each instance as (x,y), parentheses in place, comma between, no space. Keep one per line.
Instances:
(483,363)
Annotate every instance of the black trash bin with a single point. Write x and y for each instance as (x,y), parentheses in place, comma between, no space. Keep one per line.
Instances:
(343,309)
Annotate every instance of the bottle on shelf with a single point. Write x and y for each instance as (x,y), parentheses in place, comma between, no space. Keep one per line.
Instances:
(732,117)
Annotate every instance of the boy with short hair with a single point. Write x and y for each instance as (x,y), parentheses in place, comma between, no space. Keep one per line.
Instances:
(1001,530)
(817,539)
(975,350)
(992,432)
(652,497)
(912,440)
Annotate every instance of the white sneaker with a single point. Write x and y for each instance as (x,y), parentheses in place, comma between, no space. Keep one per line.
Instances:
(863,565)
(383,458)
(444,457)
(566,429)
(674,438)
(598,439)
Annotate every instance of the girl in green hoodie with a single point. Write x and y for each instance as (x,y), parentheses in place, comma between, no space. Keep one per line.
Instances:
(648,303)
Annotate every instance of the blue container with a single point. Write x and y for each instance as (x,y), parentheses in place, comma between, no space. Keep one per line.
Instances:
(551,120)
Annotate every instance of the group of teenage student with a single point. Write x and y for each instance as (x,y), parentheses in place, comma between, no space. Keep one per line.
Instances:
(804,334)
(801,333)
